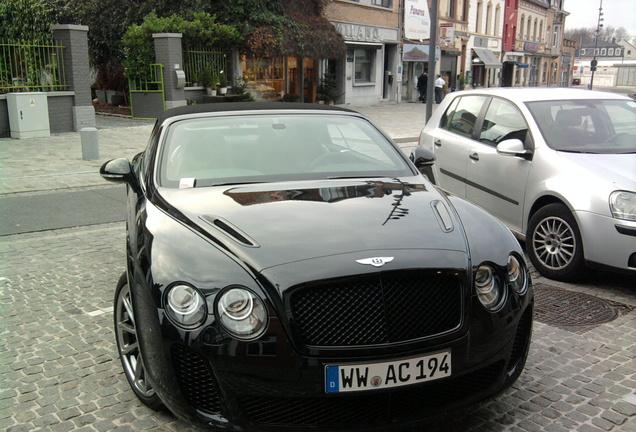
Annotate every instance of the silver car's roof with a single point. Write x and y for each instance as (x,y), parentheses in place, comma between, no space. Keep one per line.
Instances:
(528,94)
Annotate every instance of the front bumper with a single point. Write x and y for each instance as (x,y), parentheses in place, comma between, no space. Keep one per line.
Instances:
(607,241)
(266,385)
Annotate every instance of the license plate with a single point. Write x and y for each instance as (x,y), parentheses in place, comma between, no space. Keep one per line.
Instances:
(372,376)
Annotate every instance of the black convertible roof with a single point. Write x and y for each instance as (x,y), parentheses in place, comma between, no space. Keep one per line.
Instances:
(245,106)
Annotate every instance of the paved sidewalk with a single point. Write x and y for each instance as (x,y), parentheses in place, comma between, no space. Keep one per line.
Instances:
(55,162)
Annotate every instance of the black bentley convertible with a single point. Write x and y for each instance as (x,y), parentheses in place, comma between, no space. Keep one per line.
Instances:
(289,268)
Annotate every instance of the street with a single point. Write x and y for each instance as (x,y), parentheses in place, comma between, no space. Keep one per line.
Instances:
(62,249)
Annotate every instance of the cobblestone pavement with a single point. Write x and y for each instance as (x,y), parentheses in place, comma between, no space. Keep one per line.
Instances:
(59,369)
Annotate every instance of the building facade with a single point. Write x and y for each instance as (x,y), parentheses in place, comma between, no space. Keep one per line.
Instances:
(485,27)
(371,71)
(614,67)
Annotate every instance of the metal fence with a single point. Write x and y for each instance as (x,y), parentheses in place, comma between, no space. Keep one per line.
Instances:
(31,66)
(198,59)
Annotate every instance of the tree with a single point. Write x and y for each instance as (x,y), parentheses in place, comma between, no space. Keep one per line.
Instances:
(25,19)
(201,30)
(587,36)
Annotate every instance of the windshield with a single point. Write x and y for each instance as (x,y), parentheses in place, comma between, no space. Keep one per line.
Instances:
(265,148)
(587,126)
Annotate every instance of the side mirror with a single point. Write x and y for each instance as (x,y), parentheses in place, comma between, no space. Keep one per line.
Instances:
(422,157)
(513,147)
(118,171)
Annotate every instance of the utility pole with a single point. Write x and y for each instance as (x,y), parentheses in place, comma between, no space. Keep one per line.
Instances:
(432,51)
(594,62)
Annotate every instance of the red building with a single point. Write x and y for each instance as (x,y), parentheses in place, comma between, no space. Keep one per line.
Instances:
(510,25)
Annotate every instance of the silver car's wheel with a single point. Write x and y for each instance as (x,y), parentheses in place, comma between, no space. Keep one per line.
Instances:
(554,243)
(128,346)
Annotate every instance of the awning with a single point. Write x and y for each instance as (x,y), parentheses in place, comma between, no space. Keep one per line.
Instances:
(488,57)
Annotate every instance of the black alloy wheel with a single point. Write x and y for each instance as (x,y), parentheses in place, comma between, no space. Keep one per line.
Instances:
(554,245)
(128,346)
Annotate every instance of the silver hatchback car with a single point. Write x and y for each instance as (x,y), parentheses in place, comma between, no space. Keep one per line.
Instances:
(557,166)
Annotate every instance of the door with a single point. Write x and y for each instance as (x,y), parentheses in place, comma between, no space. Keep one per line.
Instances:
(452,140)
(494,181)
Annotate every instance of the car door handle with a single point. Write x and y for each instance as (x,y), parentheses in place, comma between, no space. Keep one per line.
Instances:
(438,143)
(474,156)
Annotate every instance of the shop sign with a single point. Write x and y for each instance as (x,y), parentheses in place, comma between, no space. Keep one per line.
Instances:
(481,42)
(417,21)
(447,34)
(413,52)
(359,33)
(532,47)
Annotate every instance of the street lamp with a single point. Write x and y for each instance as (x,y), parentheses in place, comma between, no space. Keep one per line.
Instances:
(594,62)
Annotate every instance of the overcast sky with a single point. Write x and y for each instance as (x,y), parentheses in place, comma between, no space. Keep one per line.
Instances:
(617,13)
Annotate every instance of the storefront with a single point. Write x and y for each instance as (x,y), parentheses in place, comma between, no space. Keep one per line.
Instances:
(485,67)
(280,77)
(369,73)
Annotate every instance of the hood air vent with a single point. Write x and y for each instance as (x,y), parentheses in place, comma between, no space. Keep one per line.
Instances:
(232,231)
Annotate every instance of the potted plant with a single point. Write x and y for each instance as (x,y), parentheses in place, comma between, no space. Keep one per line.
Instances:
(327,91)
(208,80)
(223,83)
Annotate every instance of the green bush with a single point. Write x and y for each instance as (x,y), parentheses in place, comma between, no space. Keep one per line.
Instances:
(201,30)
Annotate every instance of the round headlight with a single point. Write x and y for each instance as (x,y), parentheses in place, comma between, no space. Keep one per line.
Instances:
(186,306)
(489,291)
(517,275)
(241,312)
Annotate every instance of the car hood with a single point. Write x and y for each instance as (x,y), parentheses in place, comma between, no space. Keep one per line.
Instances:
(617,169)
(273,224)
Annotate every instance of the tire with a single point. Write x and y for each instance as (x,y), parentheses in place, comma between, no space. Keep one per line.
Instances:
(128,347)
(554,245)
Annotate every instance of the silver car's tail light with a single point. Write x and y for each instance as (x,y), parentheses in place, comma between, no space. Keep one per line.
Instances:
(241,312)
(489,290)
(517,274)
(185,306)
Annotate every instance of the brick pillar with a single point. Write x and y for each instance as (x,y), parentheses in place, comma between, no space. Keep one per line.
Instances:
(169,53)
(77,70)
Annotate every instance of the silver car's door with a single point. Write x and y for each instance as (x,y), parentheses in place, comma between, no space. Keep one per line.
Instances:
(496,181)
(452,141)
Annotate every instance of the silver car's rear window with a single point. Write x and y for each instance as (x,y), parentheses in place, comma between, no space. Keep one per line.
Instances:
(587,126)
(264,148)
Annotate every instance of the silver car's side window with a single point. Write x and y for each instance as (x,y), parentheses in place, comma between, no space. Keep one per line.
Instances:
(502,121)
(462,120)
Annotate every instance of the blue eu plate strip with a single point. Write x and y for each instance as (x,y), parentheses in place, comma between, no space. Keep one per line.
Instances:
(331,382)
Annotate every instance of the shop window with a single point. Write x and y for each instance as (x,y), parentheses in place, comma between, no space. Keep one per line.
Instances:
(364,60)
(383,3)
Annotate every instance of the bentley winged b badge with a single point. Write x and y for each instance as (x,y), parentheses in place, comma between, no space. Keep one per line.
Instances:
(375,261)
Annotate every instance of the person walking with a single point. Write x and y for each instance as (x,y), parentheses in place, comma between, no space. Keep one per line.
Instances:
(422,82)
(439,89)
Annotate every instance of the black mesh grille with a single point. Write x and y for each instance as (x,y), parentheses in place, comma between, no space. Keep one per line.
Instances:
(521,338)
(383,309)
(364,408)
(196,380)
